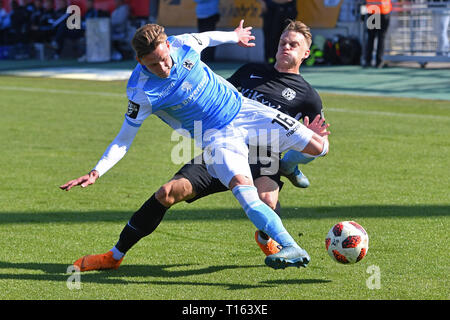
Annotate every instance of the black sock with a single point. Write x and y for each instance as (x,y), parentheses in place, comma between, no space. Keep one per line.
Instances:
(278,212)
(278,209)
(142,223)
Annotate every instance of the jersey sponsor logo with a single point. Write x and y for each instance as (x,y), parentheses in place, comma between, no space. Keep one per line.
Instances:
(288,94)
(188,64)
(133,109)
(252,76)
(255,95)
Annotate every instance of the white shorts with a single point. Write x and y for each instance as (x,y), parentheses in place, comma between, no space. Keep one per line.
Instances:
(227,150)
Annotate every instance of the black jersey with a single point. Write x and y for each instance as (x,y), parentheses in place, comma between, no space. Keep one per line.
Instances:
(287,92)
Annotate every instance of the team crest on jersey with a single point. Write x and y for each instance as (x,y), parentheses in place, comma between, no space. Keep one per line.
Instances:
(186,86)
(188,64)
(133,109)
(288,94)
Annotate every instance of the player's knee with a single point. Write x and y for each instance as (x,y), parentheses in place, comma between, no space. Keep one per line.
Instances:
(269,198)
(164,196)
(174,191)
(168,196)
(240,180)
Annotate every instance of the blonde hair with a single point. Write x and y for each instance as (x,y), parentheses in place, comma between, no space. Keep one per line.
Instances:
(147,38)
(300,27)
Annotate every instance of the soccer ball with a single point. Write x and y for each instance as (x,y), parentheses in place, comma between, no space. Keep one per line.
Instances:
(347,242)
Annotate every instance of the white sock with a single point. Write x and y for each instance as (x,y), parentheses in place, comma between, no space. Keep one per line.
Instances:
(117,255)
(262,216)
(262,240)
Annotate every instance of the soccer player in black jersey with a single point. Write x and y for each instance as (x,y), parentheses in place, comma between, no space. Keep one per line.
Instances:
(281,86)
(278,86)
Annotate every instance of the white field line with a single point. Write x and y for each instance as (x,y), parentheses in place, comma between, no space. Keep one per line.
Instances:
(389,114)
(112,94)
(59,91)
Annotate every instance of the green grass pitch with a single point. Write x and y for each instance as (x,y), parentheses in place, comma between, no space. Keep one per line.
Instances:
(388,169)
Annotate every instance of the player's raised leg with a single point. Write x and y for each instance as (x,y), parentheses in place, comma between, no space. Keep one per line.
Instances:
(231,167)
(266,220)
(289,168)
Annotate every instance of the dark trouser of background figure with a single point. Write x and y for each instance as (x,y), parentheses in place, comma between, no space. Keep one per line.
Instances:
(380,34)
(208,24)
(274,22)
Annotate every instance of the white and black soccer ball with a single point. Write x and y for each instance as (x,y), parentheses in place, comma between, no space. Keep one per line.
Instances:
(347,242)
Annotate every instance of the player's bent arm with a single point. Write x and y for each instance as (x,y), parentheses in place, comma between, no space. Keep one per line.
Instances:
(317,147)
(115,151)
(118,148)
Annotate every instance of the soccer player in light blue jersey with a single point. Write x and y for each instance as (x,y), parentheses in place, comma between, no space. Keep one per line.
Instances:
(172,82)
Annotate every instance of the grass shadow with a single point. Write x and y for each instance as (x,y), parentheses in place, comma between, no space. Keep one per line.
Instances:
(274,283)
(347,212)
(124,275)
(127,274)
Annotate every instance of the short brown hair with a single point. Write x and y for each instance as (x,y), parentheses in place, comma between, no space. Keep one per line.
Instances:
(147,38)
(300,27)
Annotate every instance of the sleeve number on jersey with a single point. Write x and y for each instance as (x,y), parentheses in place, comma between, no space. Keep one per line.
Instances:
(284,121)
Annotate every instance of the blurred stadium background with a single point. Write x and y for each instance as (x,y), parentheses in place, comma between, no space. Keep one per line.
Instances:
(399,113)
(413,34)
(338,29)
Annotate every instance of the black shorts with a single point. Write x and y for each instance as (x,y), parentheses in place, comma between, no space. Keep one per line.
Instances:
(204,184)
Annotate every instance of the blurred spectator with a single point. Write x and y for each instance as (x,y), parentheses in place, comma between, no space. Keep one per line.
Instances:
(207,17)
(154,9)
(119,28)
(93,12)
(18,31)
(374,31)
(29,6)
(62,32)
(441,21)
(275,14)
(4,24)
(35,20)
(44,31)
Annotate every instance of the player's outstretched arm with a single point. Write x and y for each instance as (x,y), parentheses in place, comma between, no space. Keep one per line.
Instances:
(115,151)
(199,41)
(244,35)
(82,181)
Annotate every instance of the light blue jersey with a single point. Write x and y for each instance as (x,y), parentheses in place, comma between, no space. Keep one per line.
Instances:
(192,97)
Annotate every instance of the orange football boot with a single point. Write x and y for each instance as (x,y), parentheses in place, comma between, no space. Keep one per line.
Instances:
(97,262)
(271,247)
